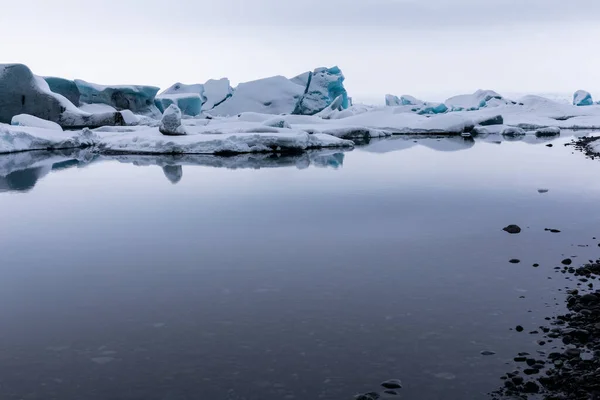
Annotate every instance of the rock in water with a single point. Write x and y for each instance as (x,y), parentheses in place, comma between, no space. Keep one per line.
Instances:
(170,124)
(392,384)
(512,229)
(65,88)
(139,99)
(582,98)
(324,86)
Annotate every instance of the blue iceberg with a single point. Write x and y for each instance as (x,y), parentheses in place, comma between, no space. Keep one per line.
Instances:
(323,87)
(582,98)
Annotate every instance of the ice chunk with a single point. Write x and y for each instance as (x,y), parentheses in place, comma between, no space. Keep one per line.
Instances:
(189,103)
(170,124)
(139,99)
(35,122)
(548,131)
(512,131)
(433,108)
(331,111)
(324,86)
(274,95)
(64,87)
(475,101)
(193,99)
(392,101)
(21,92)
(582,98)
(216,92)
(407,100)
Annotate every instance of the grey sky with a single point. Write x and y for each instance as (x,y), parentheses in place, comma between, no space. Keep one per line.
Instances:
(425,48)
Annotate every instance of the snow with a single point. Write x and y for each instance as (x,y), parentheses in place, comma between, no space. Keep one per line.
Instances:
(582,98)
(274,95)
(23,138)
(35,122)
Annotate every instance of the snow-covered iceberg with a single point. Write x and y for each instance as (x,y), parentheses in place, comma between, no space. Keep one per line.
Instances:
(274,95)
(136,98)
(475,101)
(22,92)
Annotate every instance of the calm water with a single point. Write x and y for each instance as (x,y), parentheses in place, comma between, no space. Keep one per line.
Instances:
(279,278)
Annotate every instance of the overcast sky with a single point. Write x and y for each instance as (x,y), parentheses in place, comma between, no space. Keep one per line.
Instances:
(426,48)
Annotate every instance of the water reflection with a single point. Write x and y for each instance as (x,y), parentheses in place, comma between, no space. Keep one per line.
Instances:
(20,172)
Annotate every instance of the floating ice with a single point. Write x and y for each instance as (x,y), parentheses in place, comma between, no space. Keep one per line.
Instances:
(324,86)
(193,99)
(512,131)
(139,99)
(274,95)
(21,92)
(582,98)
(475,101)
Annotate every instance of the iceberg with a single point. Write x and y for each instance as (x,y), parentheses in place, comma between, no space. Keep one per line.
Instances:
(324,86)
(138,99)
(582,98)
(170,124)
(392,101)
(24,138)
(274,95)
(302,79)
(193,99)
(475,101)
(22,92)
(215,93)
(65,88)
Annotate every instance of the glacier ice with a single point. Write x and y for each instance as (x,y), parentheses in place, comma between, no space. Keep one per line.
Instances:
(324,86)
(35,122)
(170,124)
(582,98)
(64,87)
(302,79)
(274,95)
(418,106)
(136,98)
(22,92)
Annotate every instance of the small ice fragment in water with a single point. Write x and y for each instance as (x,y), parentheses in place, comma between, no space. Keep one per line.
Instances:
(392,384)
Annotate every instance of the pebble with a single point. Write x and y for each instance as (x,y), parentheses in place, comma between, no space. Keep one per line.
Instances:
(514,261)
(487,353)
(519,328)
(512,229)
(567,261)
(392,384)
